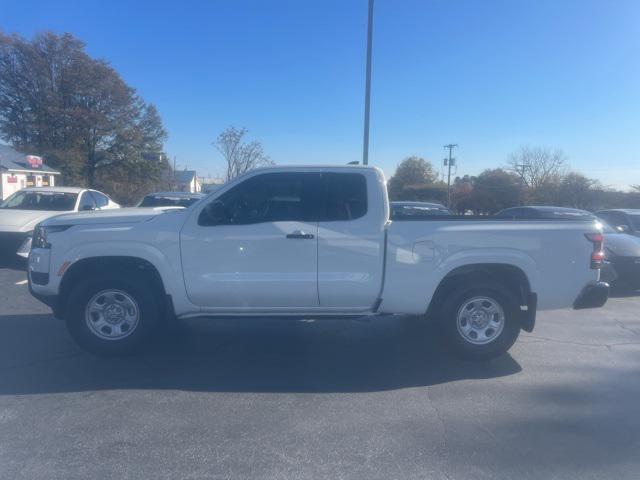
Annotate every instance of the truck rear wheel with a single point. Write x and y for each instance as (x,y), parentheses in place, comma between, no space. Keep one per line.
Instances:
(112,316)
(481,322)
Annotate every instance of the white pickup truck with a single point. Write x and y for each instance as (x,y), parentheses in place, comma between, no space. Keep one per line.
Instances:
(309,241)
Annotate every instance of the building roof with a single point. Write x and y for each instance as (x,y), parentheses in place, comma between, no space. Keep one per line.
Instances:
(11,159)
(184,176)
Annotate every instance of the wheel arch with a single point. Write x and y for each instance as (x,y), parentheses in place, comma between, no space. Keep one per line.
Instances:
(512,277)
(84,267)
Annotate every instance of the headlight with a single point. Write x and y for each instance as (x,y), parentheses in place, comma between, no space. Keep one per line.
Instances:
(40,235)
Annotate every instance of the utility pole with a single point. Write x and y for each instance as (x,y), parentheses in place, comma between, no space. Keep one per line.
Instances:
(175,179)
(449,163)
(520,168)
(367,92)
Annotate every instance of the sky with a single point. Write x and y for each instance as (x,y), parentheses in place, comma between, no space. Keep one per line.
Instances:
(490,75)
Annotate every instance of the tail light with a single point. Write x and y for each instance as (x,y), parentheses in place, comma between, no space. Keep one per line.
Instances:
(597,255)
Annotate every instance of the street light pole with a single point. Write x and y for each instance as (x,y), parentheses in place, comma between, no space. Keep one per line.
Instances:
(367,93)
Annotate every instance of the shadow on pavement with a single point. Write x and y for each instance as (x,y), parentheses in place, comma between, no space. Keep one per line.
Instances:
(241,355)
(13,263)
(623,293)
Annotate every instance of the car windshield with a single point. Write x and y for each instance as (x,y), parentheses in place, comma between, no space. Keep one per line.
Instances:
(635,220)
(49,201)
(167,201)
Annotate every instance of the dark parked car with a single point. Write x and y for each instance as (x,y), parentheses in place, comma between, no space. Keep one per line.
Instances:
(546,212)
(405,210)
(623,220)
(622,251)
(170,199)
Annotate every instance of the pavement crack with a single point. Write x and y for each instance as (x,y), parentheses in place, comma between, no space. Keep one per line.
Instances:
(624,327)
(608,346)
(445,436)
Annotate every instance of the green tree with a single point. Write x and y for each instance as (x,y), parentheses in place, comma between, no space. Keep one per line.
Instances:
(415,179)
(578,191)
(494,190)
(461,194)
(76,111)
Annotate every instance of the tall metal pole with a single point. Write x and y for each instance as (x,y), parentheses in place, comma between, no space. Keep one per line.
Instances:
(451,146)
(367,93)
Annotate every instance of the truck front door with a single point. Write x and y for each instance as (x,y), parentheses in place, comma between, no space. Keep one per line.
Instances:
(259,249)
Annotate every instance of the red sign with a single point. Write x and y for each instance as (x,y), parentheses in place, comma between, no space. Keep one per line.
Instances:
(12,179)
(34,161)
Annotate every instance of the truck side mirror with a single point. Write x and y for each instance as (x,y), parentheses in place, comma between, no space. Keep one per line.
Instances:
(215,212)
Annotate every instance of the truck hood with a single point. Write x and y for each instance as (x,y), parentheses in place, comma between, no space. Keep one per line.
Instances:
(22,220)
(622,244)
(112,216)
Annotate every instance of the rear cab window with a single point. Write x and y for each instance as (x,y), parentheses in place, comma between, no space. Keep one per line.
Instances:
(345,196)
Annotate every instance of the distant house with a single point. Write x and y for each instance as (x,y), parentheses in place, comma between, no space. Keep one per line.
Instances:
(187,181)
(211,184)
(18,170)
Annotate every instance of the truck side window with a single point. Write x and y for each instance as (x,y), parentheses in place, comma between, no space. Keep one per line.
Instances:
(270,197)
(346,196)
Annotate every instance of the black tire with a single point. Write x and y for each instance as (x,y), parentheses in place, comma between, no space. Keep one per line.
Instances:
(502,342)
(136,287)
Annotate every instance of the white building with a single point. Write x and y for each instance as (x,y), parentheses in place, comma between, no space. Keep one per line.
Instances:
(18,171)
(187,181)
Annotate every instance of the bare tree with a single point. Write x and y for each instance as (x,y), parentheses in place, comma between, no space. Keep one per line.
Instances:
(538,167)
(240,155)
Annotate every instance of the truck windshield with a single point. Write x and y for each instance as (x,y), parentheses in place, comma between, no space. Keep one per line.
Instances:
(48,201)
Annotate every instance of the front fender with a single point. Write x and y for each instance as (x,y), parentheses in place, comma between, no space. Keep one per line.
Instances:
(167,263)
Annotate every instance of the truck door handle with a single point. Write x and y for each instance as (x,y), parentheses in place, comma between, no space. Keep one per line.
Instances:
(300,235)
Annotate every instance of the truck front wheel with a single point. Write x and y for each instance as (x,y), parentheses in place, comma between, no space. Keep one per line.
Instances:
(112,316)
(481,322)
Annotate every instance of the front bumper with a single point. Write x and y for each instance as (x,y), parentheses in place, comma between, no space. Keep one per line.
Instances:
(52,301)
(594,295)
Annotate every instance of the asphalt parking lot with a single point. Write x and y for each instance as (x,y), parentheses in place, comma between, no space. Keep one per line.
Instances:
(327,399)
